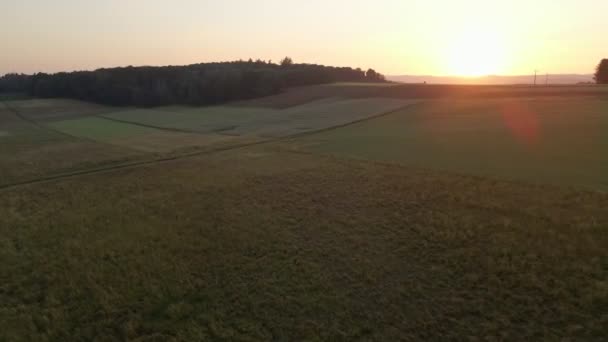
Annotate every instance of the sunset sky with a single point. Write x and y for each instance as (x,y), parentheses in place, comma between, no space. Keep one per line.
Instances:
(447,37)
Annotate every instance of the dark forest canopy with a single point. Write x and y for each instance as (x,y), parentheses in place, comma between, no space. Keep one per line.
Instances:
(197,84)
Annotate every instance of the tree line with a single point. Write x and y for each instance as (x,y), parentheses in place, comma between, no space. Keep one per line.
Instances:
(197,84)
(601,73)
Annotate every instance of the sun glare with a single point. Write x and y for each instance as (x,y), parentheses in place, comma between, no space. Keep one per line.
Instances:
(476,53)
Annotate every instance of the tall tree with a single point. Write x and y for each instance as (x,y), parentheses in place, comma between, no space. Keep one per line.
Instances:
(287,61)
(601,73)
(373,76)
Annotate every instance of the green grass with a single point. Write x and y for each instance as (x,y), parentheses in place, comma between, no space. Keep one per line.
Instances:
(29,152)
(26,134)
(134,137)
(52,146)
(261,121)
(192,119)
(8,117)
(13,96)
(45,110)
(99,129)
(559,141)
(354,233)
(303,95)
(321,115)
(256,244)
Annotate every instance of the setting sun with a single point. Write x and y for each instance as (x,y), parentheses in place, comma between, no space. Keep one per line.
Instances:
(476,53)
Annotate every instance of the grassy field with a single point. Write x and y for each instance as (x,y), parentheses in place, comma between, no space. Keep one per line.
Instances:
(29,151)
(46,137)
(131,136)
(238,120)
(558,141)
(459,218)
(48,110)
(303,95)
(13,96)
(192,119)
(258,244)
(99,129)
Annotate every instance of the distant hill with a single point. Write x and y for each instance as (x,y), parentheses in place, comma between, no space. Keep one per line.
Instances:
(493,80)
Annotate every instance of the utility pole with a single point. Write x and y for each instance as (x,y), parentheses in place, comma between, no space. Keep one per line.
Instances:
(535,73)
(547,79)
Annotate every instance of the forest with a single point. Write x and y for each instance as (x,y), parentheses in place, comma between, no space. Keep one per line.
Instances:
(196,84)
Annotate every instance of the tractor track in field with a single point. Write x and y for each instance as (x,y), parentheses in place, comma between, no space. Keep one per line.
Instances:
(43,126)
(169,129)
(135,164)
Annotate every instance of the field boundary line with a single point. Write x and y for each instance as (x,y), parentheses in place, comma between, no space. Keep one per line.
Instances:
(369,118)
(130,165)
(51,129)
(47,127)
(21,117)
(169,129)
(136,164)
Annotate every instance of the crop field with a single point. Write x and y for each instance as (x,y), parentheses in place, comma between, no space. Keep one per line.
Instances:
(201,120)
(132,136)
(391,218)
(98,128)
(42,137)
(44,110)
(304,95)
(267,122)
(29,151)
(558,141)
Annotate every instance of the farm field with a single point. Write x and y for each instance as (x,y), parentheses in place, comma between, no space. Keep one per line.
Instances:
(268,122)
(558,141)
(303,95)
(49,110)
(30,151)
(42,137)
(260,243)
(349,213)
(133,136)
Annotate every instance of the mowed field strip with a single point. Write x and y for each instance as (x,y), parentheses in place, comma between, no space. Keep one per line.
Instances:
(133,136)
(268,122)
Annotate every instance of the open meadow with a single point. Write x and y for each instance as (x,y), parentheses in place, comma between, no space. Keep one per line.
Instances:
(561,141)
(336,212)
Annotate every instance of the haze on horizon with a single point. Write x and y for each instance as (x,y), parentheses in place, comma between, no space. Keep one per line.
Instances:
(465,38)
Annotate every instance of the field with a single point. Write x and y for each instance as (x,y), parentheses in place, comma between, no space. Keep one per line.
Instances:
(557,141)
(266,122)
(349,213)
(63,136)
(29,150)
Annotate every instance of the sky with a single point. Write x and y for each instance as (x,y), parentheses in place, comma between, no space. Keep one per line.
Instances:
(430,37)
